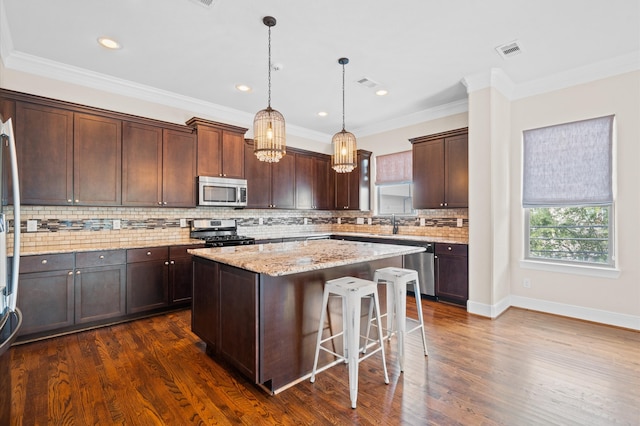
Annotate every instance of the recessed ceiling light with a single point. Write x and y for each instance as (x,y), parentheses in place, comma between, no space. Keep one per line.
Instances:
(381,92)
(109,43)
(243,87)
(323,114)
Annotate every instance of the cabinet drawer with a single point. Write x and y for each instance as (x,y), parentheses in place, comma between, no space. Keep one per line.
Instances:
(147,254)
(181,251)
(46,262)
(452,249)
(88,259)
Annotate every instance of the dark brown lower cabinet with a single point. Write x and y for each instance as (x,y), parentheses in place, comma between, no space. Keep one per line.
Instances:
(180,274)
(45,294)
(147,279)
(452,273)
(100,285)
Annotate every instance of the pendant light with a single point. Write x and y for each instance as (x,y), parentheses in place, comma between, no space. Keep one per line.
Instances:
(268,124)
(344,155)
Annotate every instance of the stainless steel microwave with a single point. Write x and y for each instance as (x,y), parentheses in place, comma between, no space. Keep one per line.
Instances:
(218,191)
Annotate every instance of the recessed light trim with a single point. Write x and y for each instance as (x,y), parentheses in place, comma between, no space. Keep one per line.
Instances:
(243,87)
(109,43)
(323,113)
(381,92)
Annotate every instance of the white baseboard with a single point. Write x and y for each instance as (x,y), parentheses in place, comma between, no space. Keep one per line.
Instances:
(572,311)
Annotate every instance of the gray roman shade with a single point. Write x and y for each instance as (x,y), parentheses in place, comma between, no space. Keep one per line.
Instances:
(394,168)
(568,164)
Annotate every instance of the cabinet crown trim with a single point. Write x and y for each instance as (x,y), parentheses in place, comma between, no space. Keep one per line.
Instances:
(447,134)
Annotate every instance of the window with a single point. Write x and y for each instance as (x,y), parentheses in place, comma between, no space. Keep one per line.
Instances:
(393,183)
(568,192)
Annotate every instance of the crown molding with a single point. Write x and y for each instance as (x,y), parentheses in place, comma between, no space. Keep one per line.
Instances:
(495,78)
(440,111)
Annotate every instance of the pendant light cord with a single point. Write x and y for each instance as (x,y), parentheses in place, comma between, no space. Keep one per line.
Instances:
(269,72)
(343,97)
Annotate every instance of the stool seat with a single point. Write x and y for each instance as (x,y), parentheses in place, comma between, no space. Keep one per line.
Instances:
(352,290)
(396,280)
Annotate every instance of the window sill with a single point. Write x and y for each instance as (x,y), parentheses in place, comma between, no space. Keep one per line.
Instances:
(592,271)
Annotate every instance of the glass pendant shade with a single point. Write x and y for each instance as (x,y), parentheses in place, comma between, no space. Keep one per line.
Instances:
(344,158)
(269,136)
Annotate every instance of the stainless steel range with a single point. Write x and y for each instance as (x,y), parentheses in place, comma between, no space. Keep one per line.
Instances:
(218,233)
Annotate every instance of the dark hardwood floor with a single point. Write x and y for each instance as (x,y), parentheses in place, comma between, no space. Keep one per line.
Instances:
(524,368)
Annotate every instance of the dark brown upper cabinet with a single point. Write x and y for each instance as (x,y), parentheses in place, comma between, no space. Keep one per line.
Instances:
(352,189)
(441,170)
(220,149)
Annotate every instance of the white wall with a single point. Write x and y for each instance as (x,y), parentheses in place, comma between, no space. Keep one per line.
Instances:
(614,300)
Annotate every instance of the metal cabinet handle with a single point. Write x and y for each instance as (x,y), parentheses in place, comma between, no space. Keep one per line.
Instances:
(77,272)
(148,253)
(69,200)
(44,261)
(449,248)
(166,263)
(173,262)
(70,273)
(101,256)
(165,203)
(159,203)
(77,201)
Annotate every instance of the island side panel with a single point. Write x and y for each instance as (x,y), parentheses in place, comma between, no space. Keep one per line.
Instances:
(289,315)
(205,302)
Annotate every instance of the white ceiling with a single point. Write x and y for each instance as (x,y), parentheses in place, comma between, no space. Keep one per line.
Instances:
(419,50)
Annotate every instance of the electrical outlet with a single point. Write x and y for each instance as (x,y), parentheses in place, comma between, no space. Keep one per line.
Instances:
(116,224)
(183,223)
(526,283)
(360,221)
(459,222)
(305,221)
(339,221)
(32,225)
(369,221)
(422,221)
(260,221)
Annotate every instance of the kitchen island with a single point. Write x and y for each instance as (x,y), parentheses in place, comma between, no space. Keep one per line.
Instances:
(257,307)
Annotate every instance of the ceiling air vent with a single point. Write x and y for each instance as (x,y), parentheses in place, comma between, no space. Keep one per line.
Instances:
(510,49)
(205,3)
(367,82)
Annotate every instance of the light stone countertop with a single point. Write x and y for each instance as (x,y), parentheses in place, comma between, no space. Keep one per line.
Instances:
(71,248)
(400,237)
(277,259)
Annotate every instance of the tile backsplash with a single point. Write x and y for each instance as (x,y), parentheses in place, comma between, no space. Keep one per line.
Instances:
(69,226)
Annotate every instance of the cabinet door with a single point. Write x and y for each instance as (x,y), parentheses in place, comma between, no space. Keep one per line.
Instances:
(451,269)
(179,169)
(147,285)
(283,183)
(305,181)
(323,188)
(209,148)
(239,319)
(97,161)
(205,320)
(456,171)
(233,155)
(7,111)
(141,165)
(428,174)
(44,139)
(180,274)
(100,293)
(258,174)
(46,300)
(342,190)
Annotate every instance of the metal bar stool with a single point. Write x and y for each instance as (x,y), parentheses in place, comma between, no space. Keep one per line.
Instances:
(352,291)
(396,280)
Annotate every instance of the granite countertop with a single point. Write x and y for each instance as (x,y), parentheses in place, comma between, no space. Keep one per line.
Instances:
(400,237)
(277,259)
(71,248)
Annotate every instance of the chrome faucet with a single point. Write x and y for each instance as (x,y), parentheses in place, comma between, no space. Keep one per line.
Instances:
(393,223)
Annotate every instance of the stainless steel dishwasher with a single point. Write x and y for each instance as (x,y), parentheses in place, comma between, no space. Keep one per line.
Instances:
(423,263)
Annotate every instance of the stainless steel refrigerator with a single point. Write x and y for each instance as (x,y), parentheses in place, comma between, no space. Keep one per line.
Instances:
(11,318)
